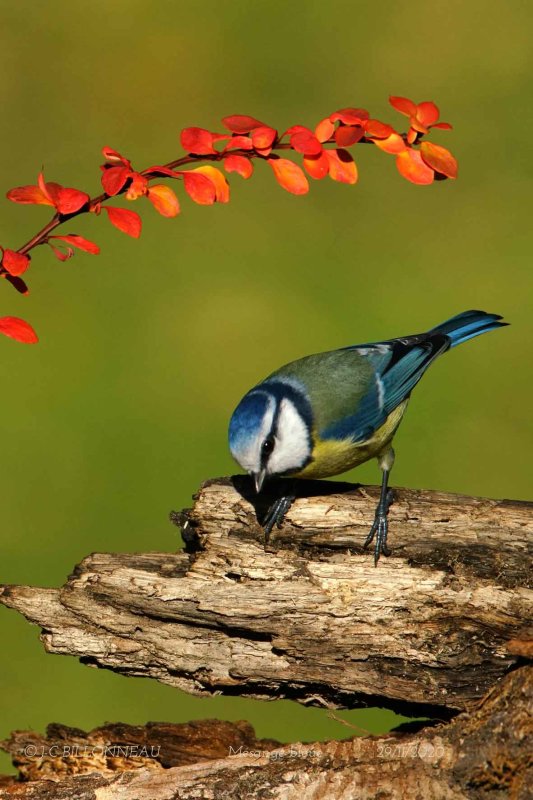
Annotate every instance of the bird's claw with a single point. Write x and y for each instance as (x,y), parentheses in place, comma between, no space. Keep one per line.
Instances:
(275,515)
(380,528)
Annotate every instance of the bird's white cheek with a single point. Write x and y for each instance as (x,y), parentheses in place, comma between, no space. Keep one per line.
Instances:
(292,441)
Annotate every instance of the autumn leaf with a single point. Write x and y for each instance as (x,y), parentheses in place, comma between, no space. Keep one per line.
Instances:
(289,175)
(15,263)
(240,164)
(125,220)
(164,200)
(18,329)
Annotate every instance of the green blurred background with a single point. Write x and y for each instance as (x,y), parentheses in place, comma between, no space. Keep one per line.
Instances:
(121,410)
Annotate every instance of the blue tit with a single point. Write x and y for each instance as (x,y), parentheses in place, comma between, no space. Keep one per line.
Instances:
(327,413)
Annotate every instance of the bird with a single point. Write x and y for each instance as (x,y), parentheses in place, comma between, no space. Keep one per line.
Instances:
(326,413)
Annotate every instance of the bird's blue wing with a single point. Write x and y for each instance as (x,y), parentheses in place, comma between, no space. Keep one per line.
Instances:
(398,365)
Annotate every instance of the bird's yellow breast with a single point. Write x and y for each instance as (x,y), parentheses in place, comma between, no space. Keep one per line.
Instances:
(333,456)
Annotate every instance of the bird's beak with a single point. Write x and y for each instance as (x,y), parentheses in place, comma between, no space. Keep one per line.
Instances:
(259,478)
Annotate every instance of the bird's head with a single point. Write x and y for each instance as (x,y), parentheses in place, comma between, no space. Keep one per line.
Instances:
(270,431)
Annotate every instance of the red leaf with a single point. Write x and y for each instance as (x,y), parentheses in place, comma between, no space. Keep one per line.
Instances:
(412,167)
(342,167)
(324,130)
(80,242)
(166,171)
(164,200)
(403,105)
(304,141)
(18,329)
(16,282)
(317,166)
(439,159)
(115,158)
(15,263)
(114,178)
(28,194)
(427,113)
(197,140)
(417,125)
(263,138)
(62,255)
(199,188)
(50,190)
(125,220)
(289,175)
(445,126)
(70,200)
(241,123)
(350,116)
(138,186)
(347,135)
(239,164)
(218,180)
(392,144)
(239,143)
(377,129)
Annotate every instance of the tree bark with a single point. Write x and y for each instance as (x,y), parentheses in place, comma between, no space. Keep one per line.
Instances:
(481,755)
(309,617)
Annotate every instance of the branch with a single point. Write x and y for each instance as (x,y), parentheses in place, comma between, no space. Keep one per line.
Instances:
(310,618)
(481,755)
(323,153)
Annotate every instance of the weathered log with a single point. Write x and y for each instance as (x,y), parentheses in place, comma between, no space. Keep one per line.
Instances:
(483,754)
(309,617)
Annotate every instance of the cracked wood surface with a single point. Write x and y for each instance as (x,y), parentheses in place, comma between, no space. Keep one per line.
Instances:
(310,618)
(482,755)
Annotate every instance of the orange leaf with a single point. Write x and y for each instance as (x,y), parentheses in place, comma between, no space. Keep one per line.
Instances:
(427,113)
(62,255)
(138,186)
(341,166)
(115,158)
(347,135)
(80,242)
(289,175)
(197,140)
(412,167)
(70,200)
(125,220)
(304,141)
(350,116)
(239,143)
(15,263)
(241,123)
(164,200)
(239,164)
(445,126)
(199,188)
(392,144)
(114,178)
(439,159)
(317,166)
(324,130)
(263,138)
(218,180)
(377,129)
(403,105)
(18,329)
(28,194)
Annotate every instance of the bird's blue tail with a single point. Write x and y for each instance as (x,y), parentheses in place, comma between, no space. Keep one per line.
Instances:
(467,325)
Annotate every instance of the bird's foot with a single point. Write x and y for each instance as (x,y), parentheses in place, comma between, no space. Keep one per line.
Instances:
(380,528)
(276,513)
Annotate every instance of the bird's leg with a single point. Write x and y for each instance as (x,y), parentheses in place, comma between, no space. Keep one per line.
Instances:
(276,513)
(380,526)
